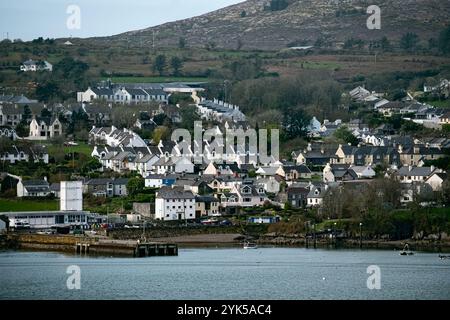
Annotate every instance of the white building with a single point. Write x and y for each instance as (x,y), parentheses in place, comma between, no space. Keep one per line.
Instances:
(45,128)
(71,196)
(174,203)
(33,66)
(33,188)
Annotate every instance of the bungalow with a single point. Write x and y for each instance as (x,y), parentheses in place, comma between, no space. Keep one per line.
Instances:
(174,203)
(33,188)
(31,65)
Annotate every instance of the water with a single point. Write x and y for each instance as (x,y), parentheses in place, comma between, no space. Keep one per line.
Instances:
(265,273)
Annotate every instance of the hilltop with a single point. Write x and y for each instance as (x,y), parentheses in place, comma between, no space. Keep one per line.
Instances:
(255,24)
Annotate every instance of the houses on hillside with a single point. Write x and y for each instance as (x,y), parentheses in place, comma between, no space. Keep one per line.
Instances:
(24,152)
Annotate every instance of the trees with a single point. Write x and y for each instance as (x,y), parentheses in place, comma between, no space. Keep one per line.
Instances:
(161,133)
(409,41)
(182,43)
(47,91)
(176,64)
(346,136)
(160,64)
(135,185)
(385,44)
(295,122)
(444,41)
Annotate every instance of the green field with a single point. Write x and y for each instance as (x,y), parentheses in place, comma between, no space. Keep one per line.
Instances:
(155,79)
(82,148)
(15,205)
(440,103)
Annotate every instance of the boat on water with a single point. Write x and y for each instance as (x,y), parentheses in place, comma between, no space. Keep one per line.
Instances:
(250,245)
(442,257)
(406,251)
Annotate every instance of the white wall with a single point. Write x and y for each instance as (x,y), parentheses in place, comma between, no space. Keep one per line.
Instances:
(71,196)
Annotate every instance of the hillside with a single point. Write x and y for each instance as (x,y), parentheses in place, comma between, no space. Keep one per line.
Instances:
(254,25)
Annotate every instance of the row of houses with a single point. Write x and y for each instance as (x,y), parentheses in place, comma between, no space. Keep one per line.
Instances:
(102,187)
(137,93)
(217,110)
(24,152)
(123,95)
(396,155)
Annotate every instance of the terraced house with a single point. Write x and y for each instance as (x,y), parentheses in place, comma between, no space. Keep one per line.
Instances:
(366,155)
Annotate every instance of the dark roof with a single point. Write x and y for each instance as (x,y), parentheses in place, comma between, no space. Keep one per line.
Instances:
(174,193)
(207,199)
(27,183)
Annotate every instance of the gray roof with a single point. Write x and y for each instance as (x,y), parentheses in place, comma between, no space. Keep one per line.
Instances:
(415,171)
(174,193)
(28,183)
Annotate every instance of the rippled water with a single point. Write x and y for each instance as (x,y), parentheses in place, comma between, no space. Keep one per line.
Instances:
(266,273)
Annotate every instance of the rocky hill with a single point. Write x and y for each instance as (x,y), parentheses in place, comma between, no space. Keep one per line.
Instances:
(276,24)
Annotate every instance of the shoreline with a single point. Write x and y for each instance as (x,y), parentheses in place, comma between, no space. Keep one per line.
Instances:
(235,240)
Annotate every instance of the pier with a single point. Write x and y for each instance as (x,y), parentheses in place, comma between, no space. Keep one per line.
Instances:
(156,249)
(86,245)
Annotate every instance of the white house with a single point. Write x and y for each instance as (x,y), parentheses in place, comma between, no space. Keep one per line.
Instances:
(92,94)
(33,66)
(33,188)
(43,128)
(174,203)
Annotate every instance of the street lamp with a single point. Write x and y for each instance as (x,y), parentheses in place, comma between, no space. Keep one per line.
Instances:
(360,235)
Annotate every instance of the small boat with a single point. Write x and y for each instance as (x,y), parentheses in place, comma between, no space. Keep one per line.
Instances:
(250,245)
(442,257)
(406,251)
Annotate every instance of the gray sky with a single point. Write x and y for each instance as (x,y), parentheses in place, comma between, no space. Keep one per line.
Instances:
(29,19)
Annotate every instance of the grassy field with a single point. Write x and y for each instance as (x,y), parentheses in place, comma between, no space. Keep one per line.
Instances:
(440,103)
(15,205)
(82,148)
(155,79)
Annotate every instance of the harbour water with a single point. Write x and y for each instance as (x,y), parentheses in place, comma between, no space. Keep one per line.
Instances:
(227,273)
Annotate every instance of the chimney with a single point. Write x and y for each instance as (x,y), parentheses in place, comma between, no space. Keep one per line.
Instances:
(309,147)
(432,169)
(410,168)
